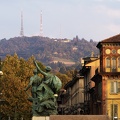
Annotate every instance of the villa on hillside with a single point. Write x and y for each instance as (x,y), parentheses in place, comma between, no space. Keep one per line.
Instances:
(95,89)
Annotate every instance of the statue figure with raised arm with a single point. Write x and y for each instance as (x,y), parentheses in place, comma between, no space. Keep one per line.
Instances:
(35,81)
(45,104)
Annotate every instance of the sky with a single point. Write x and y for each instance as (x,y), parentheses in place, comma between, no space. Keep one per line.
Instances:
(89,19)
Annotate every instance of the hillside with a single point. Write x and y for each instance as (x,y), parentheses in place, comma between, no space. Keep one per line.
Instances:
(48,50)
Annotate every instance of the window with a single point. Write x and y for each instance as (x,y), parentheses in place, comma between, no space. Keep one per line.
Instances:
(108,62)
(119,62)
(113,64)
(118,85)
(114,112)
(115,87)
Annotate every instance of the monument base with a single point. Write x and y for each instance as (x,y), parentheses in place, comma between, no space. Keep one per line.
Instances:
(71,117)
(40,118)
(79,117)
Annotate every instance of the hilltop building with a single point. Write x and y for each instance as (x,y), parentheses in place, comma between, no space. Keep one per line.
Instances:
(95,89)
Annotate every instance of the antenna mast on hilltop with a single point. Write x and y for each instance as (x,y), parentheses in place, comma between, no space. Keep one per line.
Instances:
(41,27)
(21,32)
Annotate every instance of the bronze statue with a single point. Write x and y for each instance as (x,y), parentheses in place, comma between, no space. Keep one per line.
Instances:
(34,83)
(44,104)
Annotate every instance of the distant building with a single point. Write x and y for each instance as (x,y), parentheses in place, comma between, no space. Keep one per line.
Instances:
(72,101)
(65,40)
(74,48)
(88,71)
(64,61)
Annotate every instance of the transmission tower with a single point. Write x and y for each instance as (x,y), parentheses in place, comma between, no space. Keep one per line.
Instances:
(41,26)
(21,32)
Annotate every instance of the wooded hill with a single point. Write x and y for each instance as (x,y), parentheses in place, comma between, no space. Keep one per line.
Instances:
(48,50)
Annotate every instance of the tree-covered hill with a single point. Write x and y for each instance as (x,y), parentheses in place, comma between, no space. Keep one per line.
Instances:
(46,49)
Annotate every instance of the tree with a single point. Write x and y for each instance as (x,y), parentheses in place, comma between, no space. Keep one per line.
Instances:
(62,69)
(17,72)
(16,77)
(64,78)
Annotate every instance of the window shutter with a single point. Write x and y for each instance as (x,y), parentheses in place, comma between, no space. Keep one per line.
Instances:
(112,87)
(118,87)
(115,111)
(111,111)
(119,62)
(115,87)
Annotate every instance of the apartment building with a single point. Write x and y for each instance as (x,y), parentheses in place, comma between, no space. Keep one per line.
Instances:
(91,64)
(72,100)
(96,90)
(110,76)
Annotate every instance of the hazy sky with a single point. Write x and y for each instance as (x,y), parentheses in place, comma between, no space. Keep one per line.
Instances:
(89,19)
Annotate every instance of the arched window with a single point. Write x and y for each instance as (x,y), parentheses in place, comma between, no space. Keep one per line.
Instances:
(108,62)
(118,63)
(113,64)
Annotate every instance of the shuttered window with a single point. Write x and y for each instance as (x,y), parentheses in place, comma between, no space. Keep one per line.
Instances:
(118,86)
(115,87)
(114,112)
(119,62)
(113,64)
(108,62)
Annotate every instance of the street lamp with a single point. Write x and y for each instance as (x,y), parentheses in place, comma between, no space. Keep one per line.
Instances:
(1,73)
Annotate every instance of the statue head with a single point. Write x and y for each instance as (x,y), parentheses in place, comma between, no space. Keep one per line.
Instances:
(35,71)
(48,68)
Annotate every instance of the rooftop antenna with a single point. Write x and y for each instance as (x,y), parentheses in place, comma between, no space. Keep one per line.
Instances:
(21,32)
(41,27)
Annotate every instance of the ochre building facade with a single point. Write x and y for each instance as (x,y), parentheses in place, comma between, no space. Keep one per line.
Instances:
(96,90)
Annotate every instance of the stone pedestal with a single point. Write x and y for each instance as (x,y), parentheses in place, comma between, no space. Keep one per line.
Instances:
(71,117)
(40,118)
(79,117)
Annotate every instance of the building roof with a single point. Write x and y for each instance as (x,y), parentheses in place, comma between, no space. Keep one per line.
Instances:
(89,59)
(72,82)
(113,39)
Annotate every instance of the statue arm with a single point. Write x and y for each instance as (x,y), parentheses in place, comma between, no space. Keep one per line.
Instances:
(29,85)
(43,73)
